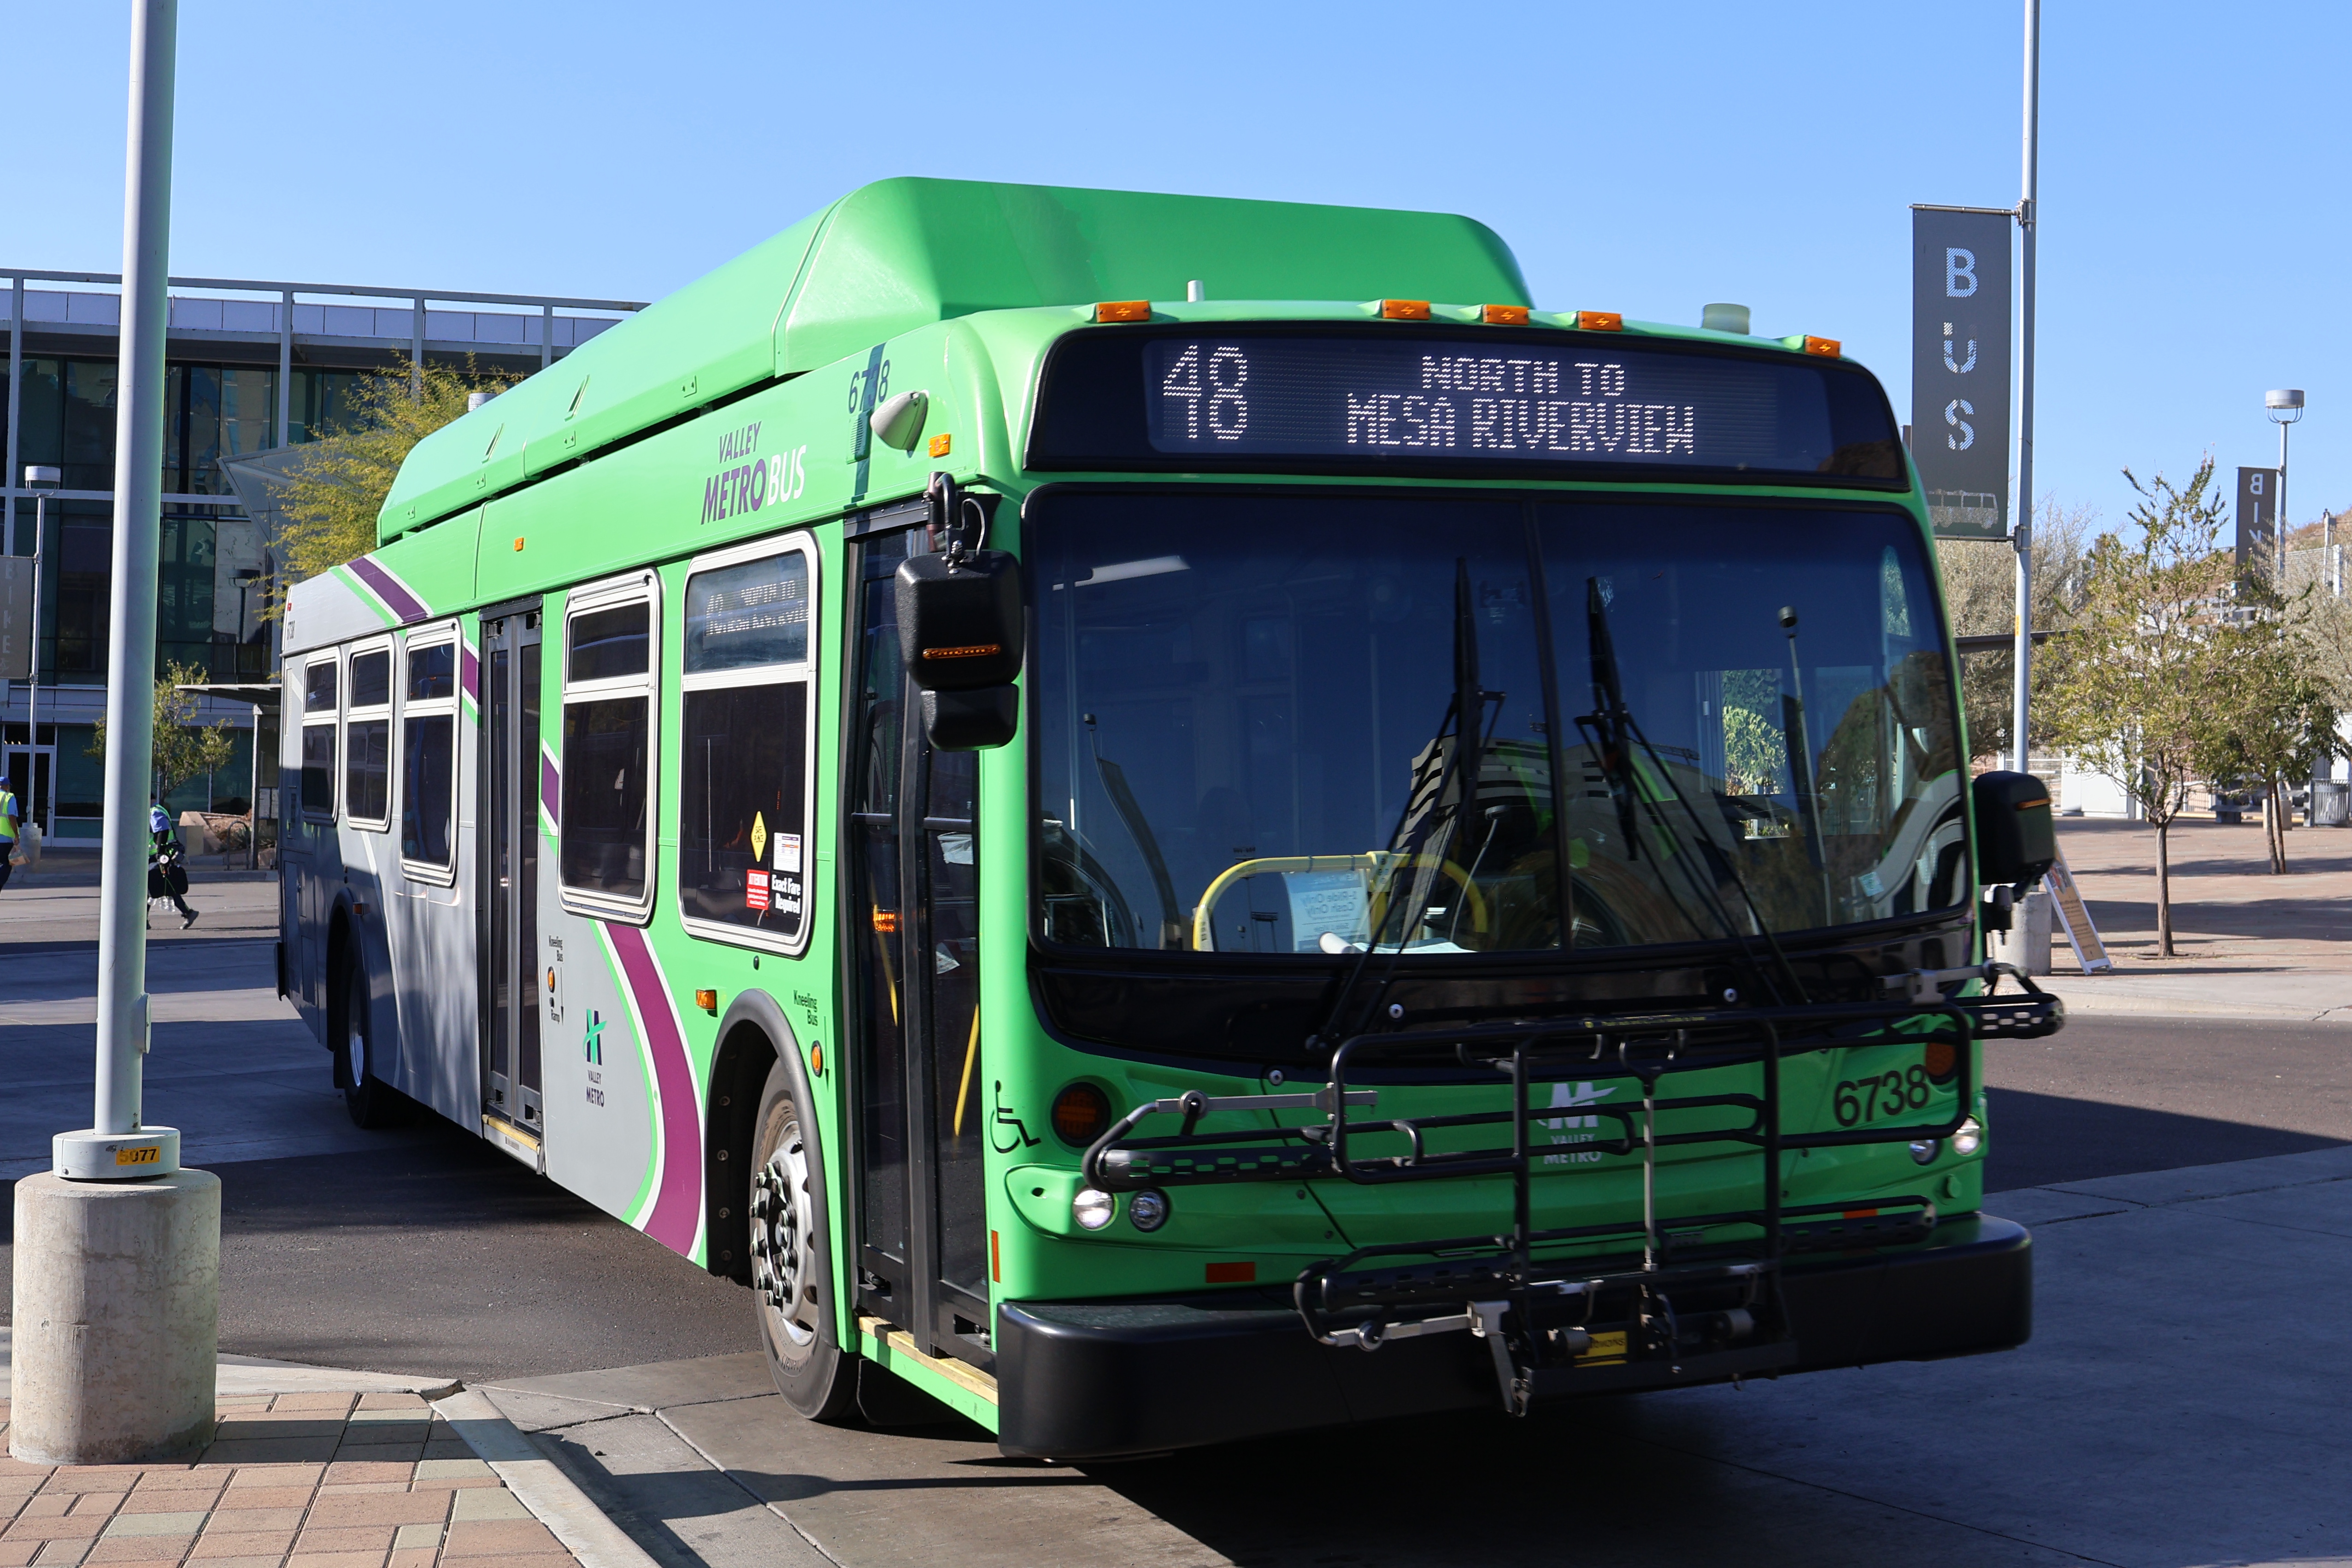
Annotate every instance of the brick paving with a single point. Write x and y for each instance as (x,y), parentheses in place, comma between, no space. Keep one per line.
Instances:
(291,1481)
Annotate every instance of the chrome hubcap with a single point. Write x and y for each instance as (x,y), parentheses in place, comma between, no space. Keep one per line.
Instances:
(782,1268)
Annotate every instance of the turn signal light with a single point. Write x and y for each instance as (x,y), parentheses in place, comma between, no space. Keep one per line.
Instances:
(1942,1056)
(1404,310)
(1081,1115)
(1601,321)
(1503,315)
(708,1001)
(1123,310)
(1827,347)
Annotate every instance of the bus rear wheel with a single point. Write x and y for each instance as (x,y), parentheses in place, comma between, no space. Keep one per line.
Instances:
(371,1102)
(789,1285)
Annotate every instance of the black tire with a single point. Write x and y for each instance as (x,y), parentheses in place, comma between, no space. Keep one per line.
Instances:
(371,1102)
(792,1277)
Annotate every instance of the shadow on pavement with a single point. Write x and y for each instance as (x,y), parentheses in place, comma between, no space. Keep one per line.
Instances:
(436,1254)
(2039,1140)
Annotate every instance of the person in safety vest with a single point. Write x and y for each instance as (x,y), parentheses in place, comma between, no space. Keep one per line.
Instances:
(8,830)
(166,878)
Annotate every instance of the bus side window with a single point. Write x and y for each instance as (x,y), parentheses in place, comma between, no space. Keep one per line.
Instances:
(428,754)
(605,824)
(367,740)
(319,712)
(748,716)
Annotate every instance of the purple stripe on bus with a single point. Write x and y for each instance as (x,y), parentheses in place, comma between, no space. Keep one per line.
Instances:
(469,672)
(396,599)
(551,787)
(679,1198)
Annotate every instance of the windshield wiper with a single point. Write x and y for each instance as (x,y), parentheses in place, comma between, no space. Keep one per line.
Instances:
(1611,726)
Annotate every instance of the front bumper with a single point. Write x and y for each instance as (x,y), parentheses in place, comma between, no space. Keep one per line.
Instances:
(1095,1379)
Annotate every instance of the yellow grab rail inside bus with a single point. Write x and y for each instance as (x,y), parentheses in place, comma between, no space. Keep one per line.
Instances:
(1380,862)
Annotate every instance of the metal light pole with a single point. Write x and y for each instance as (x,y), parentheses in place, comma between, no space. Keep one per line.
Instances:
(40,479)
(2284,406)
(2022,535)
(117,1260)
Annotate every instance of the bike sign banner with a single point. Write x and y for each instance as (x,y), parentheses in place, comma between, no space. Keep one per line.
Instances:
(1960,332)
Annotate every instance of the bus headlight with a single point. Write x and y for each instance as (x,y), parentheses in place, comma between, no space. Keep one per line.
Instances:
(1147,1209)
(1093,1209)
(1969,1138)
(1924,1150)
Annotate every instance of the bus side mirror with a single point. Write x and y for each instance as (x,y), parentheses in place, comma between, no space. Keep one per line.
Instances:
(2017,840)
(960,634)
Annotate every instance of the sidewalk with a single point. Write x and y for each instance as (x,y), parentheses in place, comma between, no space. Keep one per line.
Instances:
(318,1467)
(2247,943)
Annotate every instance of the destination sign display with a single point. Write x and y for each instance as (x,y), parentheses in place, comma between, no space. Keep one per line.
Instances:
(1261,399)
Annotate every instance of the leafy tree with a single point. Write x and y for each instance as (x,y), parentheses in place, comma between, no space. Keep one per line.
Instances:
(2138,688)
(2281,718)
(182,748)
(1981,591)
(333,492)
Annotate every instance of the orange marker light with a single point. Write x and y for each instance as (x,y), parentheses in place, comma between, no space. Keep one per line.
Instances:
(1123,310)
(1404,310)
(1601,321)
(1503,315)
(707,1000)
(517,544)
(941,445)
(995,1258)
(1827,347)
(816,1059)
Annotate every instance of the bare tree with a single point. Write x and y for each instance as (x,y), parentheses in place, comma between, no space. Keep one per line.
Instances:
(2136,690)
(1980,590)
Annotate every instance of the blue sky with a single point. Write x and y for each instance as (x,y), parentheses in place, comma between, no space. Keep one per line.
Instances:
(1643,158)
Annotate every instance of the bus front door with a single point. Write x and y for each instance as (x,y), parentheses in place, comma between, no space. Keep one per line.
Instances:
(924,1100)
(509,866)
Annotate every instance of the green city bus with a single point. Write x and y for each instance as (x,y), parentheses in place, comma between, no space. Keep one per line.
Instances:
(1175,819)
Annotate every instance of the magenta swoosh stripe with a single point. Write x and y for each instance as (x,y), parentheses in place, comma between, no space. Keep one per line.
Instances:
(469,671)
(396,599)
(680,1194)
(551,787)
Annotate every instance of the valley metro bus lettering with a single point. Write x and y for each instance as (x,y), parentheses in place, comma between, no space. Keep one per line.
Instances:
(748,486)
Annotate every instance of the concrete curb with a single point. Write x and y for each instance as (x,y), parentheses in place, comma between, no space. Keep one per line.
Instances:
(539,1485)
(244,1376)
(2095,1003)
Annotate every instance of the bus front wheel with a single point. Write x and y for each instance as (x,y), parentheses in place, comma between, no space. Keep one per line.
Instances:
(790,1284)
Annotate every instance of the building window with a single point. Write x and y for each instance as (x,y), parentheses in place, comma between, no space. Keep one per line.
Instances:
(318,715)
(746,790)
(428,754)
(367,740)
(605,833)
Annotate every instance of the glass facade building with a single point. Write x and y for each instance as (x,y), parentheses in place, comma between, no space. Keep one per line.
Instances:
(252,367)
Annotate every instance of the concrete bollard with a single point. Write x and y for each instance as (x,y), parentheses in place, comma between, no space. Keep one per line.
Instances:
(117,1319)
(2026,943)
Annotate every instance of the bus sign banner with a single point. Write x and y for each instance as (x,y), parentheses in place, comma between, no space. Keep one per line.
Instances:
(1960,367)
(1291,399)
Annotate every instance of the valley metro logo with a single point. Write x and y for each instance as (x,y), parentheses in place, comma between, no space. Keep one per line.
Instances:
(594,1046)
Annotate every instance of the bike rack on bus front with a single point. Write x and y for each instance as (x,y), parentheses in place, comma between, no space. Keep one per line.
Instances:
(1592,1320)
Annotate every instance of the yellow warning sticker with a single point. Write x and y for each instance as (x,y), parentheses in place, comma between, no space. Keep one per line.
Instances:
(1606,1348)
(150,1156)
(759,836)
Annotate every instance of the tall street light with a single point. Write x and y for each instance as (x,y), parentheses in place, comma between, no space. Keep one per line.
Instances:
(2284,406)
(117,1256)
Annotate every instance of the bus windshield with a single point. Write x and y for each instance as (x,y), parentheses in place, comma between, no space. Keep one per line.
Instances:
(1248,742)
